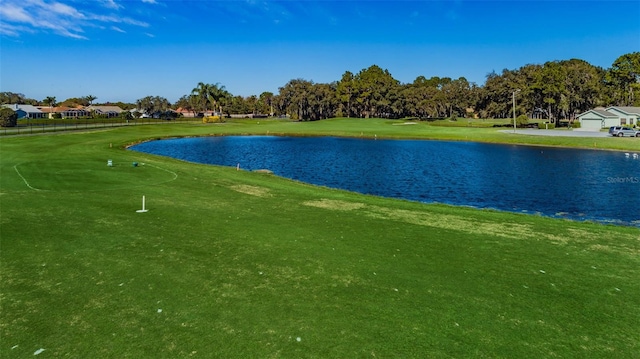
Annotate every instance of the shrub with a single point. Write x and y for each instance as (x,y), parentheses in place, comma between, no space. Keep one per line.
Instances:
(212,119)
(521,121)
(8,117)
(126,115)
(575,124)
(549,125)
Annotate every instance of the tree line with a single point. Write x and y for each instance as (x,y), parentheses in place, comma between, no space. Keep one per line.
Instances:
(553,90)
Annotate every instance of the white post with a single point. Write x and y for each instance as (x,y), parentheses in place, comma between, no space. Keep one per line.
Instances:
(513,94)
(143,206)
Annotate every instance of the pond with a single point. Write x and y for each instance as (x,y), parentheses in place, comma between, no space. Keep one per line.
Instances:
(601,186)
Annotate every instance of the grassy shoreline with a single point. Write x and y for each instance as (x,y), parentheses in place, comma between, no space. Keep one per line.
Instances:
(236,264)
(377,128)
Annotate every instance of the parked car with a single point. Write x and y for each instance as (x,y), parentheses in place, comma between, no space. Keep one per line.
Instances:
(620,131)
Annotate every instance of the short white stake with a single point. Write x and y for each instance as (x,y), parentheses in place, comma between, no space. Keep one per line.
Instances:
(143,208)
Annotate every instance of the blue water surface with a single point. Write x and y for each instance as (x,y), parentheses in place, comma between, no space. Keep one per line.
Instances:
(578,184)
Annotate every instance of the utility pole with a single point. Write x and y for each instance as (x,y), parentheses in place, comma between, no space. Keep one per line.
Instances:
(513,94)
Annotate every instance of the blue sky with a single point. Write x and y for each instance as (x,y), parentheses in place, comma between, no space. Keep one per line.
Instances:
(123,50)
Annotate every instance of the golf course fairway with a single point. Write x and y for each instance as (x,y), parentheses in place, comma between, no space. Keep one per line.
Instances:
(237,264)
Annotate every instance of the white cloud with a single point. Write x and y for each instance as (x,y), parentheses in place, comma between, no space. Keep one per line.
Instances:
(111,4)
(150,1)
(14,13)
(116,19)
(115,28)
(61,9)
(13,30)
(65,18)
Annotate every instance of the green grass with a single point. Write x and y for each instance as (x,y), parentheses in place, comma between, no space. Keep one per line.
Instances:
(233,264)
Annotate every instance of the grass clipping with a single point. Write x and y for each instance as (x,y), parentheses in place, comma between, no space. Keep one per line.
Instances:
(252,190)
(458,223)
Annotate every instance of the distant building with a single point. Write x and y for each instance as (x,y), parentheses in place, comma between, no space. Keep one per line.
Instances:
(187,113)
(64,111)
(26,111)
(599,118)
(108,111)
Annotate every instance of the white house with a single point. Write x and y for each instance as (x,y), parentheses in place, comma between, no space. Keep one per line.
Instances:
(629,116)
(599,118)
(26,111)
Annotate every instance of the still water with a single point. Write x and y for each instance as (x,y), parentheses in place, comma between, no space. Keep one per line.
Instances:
(593,185)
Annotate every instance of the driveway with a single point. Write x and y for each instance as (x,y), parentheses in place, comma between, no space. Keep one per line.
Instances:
(562,133)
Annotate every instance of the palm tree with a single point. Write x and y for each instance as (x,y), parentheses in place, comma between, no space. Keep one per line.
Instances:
(219,96)
(208,94)
(51,101)
(90,99)
(201,95)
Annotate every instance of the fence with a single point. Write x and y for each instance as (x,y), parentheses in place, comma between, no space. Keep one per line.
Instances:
(28,126)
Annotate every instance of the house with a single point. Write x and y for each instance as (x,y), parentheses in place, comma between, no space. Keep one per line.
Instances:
(65,112)
(186,113)
(629,116)
(599,118)
(107,111)
(26,111)
(75,113)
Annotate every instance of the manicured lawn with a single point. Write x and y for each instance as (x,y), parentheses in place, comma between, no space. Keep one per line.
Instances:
(233,264)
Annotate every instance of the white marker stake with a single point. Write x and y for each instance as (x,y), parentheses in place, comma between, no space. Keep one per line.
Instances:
(143,209)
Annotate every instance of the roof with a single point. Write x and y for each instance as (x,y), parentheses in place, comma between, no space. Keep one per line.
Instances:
(25,108)
(600,112)
(105,109)
(59,109)
(626,109)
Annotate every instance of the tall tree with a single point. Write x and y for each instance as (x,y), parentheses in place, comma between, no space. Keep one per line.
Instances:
(624,77)
(8,117)
(75,102)
(238,105)
(530,100)
(90,99)
(455,96)
(582,86)
(346,93)
(154,106)
(295,97)
(418,99)
(553,89)
(323,102)
(50,101)
(376,92)
(266,102)
(201,94)
(186,102)
(495,97)
(210,96)
(10,98)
